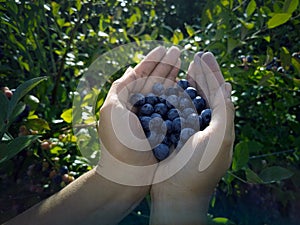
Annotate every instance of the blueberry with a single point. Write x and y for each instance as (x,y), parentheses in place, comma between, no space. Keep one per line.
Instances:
(171,91)
(161,109)
(186,133)
(185,103)
(206,116)
(63,170)
(155,139)
(147,109)
(199,103)
(193,121)
(168,124)
(167,141)
(161,152)
(172,114)
(145,122)
(172,101)
(162,98)
(137,99)
(249,59)
(183,83)
(155,115)
(186,112)
(151,99)
(174,138)
(201,125)
(156,124)
(192,92)
(158,88)
(177,124)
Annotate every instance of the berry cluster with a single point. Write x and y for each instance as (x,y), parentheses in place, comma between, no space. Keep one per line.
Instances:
(170,116)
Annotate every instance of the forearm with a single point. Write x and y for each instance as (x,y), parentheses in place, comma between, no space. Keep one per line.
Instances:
(177,208)
(91,199)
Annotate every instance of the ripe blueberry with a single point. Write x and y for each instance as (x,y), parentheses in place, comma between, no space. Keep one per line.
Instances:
(183,83)
(185,102)
(206,116)
(137,99)
(186,112)
(161,152)
(168,124)
(199,103)
(186,133)
(171,91)
(145,122)
(158,88)
(172,101)
(151,99)
(191,91)
(155,115)
(172,114)
(147,109)
(177,123)
(193,121)
(161,109)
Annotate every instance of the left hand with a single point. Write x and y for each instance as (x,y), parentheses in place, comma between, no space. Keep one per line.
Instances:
(205,157)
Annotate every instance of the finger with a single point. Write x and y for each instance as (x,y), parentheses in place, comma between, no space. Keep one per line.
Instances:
(147,65)
(209,59)
(196,77)
(212,77)
(163,68)
(171,77)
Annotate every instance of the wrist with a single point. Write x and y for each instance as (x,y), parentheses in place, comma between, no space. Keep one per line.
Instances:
(173,205)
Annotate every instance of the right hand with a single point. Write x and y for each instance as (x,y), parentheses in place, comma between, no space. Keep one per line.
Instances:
(126,155)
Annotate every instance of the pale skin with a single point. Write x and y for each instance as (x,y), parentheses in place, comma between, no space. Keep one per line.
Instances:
(182,198)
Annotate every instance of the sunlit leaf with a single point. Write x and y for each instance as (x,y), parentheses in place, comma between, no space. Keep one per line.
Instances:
(250,8)
(290,6)
(67,116)
(278,19)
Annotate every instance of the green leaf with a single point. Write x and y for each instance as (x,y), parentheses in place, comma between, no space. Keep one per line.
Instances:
(250,8)
(67,116)
(189,30)
(19,108)
(222,220)
(15,146)
(22,90)
(278,19)
(38,124)
(275,174)
(252,177)
(290,6)
(240,156)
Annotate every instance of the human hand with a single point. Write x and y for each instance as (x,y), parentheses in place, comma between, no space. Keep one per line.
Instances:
(205,157)
(126,155)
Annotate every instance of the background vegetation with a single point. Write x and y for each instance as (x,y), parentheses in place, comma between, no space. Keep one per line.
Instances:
(46,46)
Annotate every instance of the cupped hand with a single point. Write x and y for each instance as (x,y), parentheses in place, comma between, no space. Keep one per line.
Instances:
(190,176)
(126,155)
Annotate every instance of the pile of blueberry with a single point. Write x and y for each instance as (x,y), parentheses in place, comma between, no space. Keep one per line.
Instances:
(170,116)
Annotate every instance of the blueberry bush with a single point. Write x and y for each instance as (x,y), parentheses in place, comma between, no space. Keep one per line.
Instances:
(46,47)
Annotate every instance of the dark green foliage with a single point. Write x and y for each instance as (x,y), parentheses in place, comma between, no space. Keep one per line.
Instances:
(256,44)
